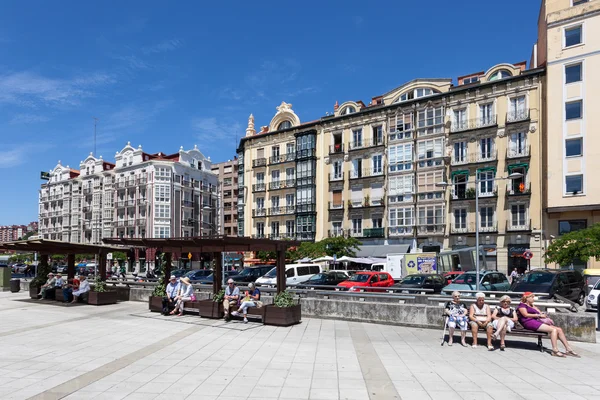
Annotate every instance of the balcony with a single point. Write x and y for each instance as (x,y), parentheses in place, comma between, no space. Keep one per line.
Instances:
(332,206)
(468,193)
(524,152)
(282,158)
(87,190)
(142,181)
(338,233)
(517,116)
(287,210)
(259,162)
(479,157)
(336,177)
(259,212)
(521,189)
(130,221)
(518,226)
(476,123)
(188,222)
(305,236)
(121,184)
(431,162)
(395,231)
(142,202)
(276,211)
(120,204)
(131,203)
(464,228)
(336,149)
(259,236)
(186,183)
(188,203)
(130,182)
(365,173)
(305,153)
(373,233)
(277,185)
(259,187)
(140,221)
(431,229)
(365,144)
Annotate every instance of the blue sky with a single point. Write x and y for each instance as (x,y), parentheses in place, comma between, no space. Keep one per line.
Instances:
(165,76)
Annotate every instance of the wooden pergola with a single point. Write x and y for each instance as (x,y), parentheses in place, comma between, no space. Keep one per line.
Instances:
(48,247)
(215,245)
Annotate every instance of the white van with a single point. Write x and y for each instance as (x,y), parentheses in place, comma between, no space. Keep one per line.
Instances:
(295,274)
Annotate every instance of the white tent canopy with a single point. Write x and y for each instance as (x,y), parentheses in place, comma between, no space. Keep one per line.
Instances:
(324,258)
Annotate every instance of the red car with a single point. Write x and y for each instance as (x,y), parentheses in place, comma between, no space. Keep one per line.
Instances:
(449,276)
(368,279)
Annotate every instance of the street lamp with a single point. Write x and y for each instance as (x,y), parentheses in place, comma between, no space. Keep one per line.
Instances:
(513,176)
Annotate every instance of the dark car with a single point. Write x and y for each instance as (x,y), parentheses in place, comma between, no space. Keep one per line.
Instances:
(228,274)
(198,274)
(450,276)
(566,283)
(331,278)
(179,272)
(251,274)
(423,281)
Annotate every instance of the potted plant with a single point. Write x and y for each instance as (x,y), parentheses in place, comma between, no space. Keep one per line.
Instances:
(155,300)
(100,295)
(284,311)
(470,193)
(349,203)
(212,308)
(367,200)
(36,283)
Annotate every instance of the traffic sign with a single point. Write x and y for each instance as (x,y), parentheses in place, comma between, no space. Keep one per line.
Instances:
(527,254)
(189,256)
(109,256)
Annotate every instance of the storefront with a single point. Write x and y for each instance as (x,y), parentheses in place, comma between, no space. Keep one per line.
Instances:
(516,259)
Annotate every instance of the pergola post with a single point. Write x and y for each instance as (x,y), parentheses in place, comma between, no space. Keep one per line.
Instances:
(131,260)
(167,266)
(217,273)
(102,265)
(70,266)
(281,278)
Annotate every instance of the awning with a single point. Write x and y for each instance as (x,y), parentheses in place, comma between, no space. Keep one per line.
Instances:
(460,172)
(520,165)
(485,169)
(381,251)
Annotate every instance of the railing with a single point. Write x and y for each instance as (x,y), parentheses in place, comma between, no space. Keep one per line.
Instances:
(516,227)
(364,144)
(188,222)
(305,153)
(87,190)
(515,153)
(282,158)
(259,236)
(130,202)
(186,183)
(431,162)
(306,208)
(140,221)
(475,123)
(188,203)
(120,204)
(365,173)
(427,229)
(471,158)
(336,177)
(259,187)
(130,182)
(276,211)
(519,190)
(335,206)
(373,232)
(121,184)
(338,233)
(259,162)
(517,115)
(336,148)
(259,212)
(289,209)
(142,201)
(283,184)
(130,222)
(142,181)
(470,228)
(400,230)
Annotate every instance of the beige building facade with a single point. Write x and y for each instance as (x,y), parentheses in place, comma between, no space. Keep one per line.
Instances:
(376,172)
(568,47)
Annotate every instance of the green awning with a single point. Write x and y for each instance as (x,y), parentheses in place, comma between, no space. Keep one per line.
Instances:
(460,172)
(520,165)
(485,169)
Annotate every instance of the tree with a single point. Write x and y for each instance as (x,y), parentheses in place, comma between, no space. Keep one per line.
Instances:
(340,246)
(583,245)
(266,255)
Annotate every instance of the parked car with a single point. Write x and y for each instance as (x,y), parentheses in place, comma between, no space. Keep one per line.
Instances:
(198,274)
(423,281)
(330,278)
(295,274)
(61,269)
(566,283)
(18,268)
(251,274)
(228,274)
(488,281)
(179,272)
(450,276)
(591,302)
(591,276)
(368,279)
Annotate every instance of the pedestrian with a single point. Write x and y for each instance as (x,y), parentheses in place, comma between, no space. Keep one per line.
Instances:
(122,272)
(514,275)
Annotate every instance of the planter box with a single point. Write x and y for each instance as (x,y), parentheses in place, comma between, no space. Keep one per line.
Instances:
(210,309)
(102,298)
(155,303)
(282,316)
(58,295)
(34,292)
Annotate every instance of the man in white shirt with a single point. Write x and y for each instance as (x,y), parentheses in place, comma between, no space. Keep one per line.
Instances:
(171,292)
(84,287)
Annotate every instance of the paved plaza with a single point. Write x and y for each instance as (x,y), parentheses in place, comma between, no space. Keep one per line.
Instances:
(123,351)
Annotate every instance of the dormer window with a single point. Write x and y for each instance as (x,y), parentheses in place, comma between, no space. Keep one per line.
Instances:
(348,110)
(284,125)
(501,74)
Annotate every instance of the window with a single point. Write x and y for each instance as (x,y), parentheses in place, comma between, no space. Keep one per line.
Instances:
(516,109)
(427,181)
(472,79)
(336,228)
(460,119)
(289,228)
(430,121)
(162,193)
(486,114)
(337,170)
(432,148)
(400,157)
(348,110)
(289,148)
(260,229)
(289,199)
(486,217)
(517,212)
(275,176)
(260,178)
(486,149)
(578,2)
(275,201)
(574,184)
(567,226)
(275,152)
(400,126)
(275,228)
(284,125)
(357,226)
(376,223)
(162,232)
(460,218)
(357,138)
(501,74)
(402,219)
(378,134)
(574,147)
(377,164)
(162,173)
(517,144)
(305,227)
(459,155)
(573,109)
(486,184)
(356,171)
(402,184)
(573,36)
(290,173)
(573,73)
(260,203)
(431,215)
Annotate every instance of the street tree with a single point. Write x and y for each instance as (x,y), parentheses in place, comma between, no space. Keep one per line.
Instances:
(583,245)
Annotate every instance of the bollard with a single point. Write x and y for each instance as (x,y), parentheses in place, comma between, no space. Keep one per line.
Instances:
(598,315)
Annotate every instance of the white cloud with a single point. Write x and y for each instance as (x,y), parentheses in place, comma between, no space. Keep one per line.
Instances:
(28,119)
(165,45)
(133,62)
(212,131)
(31,89)
(17,155)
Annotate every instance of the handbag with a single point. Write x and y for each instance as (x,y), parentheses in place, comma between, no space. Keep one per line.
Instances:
(258,303)
(547,321)
(193,297)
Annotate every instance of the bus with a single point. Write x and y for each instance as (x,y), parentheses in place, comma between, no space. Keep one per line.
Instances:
(460,260)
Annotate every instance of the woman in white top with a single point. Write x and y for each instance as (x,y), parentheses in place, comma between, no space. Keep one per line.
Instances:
(480,316)
(504,319)
(84,287)
(185,294)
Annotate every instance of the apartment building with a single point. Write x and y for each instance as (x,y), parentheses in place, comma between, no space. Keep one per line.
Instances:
(568,47)
(139,195)
(227,173)
(377,172)
(10,233)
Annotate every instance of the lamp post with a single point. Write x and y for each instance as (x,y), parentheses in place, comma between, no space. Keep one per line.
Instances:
(513,176)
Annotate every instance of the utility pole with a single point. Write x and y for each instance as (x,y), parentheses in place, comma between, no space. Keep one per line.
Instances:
(95,123)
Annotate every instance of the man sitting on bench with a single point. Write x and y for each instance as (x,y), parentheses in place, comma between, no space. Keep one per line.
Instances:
(49,285)
(171,292)
(232,296)
(84,287)
(68,290)
(251,299)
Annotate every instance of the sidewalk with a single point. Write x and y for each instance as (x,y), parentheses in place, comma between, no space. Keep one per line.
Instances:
(124,351)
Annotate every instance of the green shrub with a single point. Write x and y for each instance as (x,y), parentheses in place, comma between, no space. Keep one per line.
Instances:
(99,285)
(218,297)
(284,299)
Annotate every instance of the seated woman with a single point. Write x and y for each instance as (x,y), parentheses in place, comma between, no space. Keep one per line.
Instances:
(251,299)
(504,318)
(534,320)
(481,317)
(84,287)
(457,316)
(185,294)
